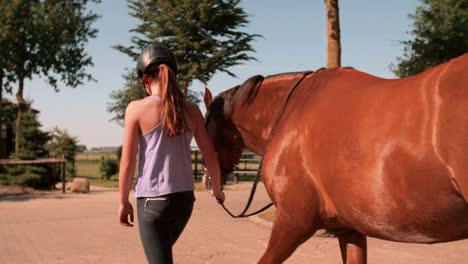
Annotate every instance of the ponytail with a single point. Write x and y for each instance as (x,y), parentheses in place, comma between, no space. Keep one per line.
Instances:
(173,103)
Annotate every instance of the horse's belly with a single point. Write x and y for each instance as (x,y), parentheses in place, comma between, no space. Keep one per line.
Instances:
(402,196)
(421,224)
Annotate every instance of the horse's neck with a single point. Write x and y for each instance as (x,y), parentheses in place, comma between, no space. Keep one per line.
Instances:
(255,120)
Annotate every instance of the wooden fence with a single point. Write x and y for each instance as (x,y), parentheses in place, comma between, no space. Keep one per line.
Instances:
(54,162)
(247,167)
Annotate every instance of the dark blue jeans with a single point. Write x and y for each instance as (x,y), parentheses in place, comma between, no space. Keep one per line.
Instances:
(161,220)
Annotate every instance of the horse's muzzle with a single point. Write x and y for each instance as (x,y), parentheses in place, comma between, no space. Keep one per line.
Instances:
(225,173)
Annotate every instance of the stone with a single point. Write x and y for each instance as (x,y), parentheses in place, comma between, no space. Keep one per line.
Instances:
(58,185)
(80,185)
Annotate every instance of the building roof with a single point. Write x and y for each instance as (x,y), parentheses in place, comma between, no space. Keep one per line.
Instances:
(102,150)
(13,105)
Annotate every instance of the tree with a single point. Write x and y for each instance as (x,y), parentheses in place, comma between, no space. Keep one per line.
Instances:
(33,139)
(63,144)
(5,45)
(440,31)
(33,146)
(8,114)
(121,98)
(45,38)
(81,148)
(333,34)
(7,120)
(204,35)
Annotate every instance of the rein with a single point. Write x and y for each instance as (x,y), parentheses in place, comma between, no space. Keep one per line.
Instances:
(259,171)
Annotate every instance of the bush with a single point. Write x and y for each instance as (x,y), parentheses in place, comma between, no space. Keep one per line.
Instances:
(28,180)
(118,153)
(108,167)
(39,177)
(63,144)
(5,179)
(115,178)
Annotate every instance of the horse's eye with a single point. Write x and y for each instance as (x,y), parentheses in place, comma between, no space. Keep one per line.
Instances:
(235,136)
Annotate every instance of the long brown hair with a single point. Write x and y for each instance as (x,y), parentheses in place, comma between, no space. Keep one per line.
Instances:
(173,103)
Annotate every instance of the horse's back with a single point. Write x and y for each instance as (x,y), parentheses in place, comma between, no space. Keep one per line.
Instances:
(391,156)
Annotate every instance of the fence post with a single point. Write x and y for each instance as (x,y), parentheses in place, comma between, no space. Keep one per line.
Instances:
(54,172)
(196,164)
(63,169)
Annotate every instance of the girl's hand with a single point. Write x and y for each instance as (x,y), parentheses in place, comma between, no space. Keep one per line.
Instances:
(219,196)
(126,212)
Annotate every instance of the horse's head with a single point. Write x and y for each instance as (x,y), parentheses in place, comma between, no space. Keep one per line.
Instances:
(223,133)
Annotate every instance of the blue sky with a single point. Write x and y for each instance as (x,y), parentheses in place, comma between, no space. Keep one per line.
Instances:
(294,39)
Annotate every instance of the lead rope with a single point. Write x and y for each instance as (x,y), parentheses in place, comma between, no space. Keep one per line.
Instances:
(259,171)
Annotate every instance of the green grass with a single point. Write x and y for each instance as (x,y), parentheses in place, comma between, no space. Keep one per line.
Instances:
(94,156)
(104,183)
(90,169)
(87,165)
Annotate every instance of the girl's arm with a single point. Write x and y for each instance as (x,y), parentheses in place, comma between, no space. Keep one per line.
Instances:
(207,150)
(127,164)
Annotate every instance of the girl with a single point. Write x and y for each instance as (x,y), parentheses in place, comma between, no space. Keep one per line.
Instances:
(161,127)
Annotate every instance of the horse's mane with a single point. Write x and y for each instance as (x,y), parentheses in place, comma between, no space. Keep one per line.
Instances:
(247,91)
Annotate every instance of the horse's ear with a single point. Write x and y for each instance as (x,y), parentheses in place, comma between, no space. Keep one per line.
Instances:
(207,98)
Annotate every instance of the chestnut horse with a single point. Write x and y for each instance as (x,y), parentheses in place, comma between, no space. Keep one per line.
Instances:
(354,154)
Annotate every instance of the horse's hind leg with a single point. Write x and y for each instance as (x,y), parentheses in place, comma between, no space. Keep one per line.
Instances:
(353,246)
(287,234)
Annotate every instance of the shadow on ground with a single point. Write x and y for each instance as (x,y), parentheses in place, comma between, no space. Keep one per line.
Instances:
(27,197)
(21,194)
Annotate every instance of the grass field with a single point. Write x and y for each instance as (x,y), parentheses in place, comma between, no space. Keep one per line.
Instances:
(87,166)
(90,169)
(94,156)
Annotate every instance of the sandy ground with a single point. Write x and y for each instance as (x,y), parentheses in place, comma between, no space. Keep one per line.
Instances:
(82,228)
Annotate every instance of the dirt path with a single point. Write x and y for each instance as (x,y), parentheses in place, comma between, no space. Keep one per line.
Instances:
(82,228)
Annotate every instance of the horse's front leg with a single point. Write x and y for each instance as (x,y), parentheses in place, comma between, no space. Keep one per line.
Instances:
(298,202)
(287,234)
(353,246)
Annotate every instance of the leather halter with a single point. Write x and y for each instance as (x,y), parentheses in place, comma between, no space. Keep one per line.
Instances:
(258,175)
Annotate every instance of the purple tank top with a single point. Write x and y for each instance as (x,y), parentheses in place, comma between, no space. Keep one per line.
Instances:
(164,163)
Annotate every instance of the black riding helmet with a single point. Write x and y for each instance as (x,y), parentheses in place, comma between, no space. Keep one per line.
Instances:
(155,54)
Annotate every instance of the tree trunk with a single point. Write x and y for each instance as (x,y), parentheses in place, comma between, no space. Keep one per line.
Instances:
(21,107)
(1,94)
(333,34)
(185,88)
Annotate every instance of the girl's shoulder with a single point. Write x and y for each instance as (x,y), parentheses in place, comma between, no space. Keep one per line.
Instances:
(137,107)
(141,103)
